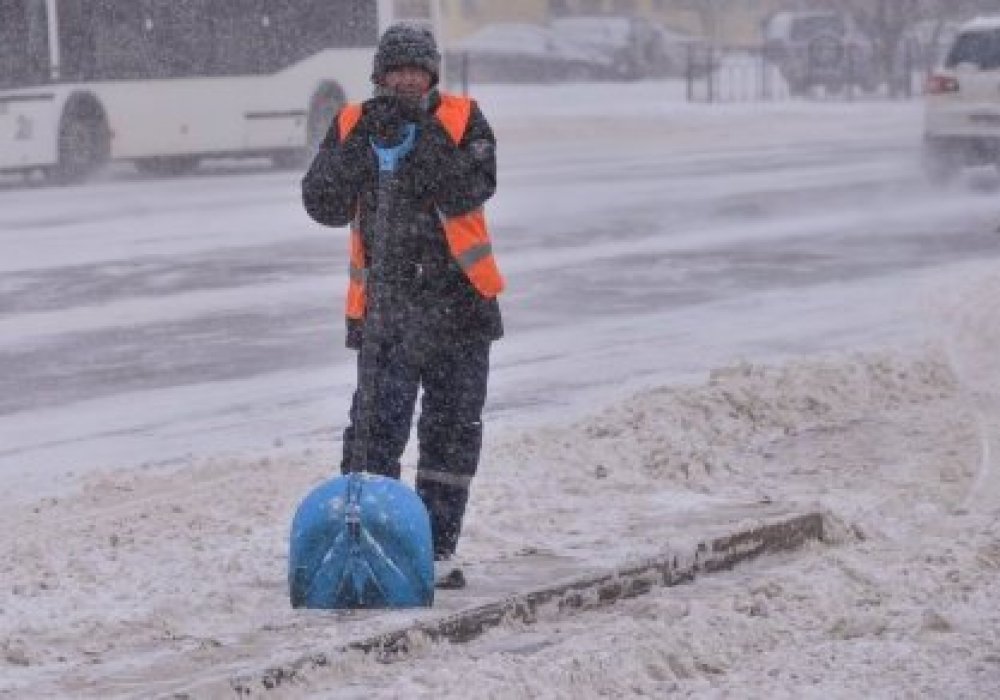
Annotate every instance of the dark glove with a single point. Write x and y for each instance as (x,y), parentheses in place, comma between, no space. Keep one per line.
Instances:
(383,118)
(355,334)
(357,158)
(434,160)
(413,111)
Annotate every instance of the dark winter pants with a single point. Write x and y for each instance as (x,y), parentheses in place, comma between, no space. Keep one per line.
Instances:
(453,377)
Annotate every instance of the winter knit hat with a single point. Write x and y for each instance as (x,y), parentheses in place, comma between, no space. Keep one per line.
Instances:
(406,45)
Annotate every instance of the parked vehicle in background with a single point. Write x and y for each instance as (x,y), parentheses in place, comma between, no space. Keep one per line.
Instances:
(819,49)
(962,103)
(164,84)
(510,52)
(633,47)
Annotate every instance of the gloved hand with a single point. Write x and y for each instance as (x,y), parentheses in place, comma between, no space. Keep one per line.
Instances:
(356,158)
(383,118)
(413,110)
(435,159)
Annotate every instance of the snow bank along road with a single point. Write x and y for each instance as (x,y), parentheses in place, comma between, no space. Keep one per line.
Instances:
(169,585)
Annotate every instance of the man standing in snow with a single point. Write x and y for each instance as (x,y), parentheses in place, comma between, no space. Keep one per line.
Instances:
(439,313)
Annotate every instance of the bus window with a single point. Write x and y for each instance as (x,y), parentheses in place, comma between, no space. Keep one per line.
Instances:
(121,39)
(180,38)
(136,39)
(37,39)
(24,43)
(265,36)
(305,27)
(77,55)
(340,23)
(243,37)
(12,54)
(122,47)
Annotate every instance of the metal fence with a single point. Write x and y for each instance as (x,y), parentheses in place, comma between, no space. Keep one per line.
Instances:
(720,74)
(725,74)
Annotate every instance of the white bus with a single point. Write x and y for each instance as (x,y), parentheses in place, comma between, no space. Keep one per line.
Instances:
(165,83)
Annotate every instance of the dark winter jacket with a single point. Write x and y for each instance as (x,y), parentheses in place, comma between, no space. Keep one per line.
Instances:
(429,297)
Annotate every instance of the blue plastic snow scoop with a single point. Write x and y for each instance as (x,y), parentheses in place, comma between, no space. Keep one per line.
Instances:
(362,540)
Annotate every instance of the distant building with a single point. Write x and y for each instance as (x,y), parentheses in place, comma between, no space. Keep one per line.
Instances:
(462,17)
(728,22)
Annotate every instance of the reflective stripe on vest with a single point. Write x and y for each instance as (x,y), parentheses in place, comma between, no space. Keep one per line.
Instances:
(470,245)
(467,235)
(358,274)
(358,271)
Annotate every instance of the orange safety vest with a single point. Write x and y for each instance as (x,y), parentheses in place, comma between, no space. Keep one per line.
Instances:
(467,235)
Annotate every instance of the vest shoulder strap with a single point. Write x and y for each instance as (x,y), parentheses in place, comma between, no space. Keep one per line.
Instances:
(348,118)
(454,113)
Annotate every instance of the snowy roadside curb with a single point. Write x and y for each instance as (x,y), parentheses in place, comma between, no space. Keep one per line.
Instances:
(709,555)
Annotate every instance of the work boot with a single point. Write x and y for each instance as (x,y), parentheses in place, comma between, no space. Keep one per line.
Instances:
(448,574)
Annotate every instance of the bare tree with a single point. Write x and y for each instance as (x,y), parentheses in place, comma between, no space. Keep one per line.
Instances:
(885,22)
(888,24)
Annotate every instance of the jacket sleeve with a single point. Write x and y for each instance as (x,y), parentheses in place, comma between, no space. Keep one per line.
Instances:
(338,172)
(468,175)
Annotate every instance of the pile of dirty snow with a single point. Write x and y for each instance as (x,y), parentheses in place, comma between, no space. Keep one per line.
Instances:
(184,571)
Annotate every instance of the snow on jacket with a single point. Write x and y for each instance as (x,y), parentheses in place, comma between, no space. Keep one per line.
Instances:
(429,295)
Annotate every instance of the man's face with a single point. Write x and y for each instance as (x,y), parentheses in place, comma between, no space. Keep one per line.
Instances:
(408,81)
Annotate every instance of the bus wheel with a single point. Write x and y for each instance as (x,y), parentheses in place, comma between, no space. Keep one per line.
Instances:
(84,146)
(167,166)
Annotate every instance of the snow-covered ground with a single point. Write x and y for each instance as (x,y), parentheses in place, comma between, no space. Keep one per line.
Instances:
(708,305)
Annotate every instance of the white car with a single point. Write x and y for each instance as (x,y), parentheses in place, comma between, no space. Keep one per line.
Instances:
(518,52)
(629,45)
(962,119)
